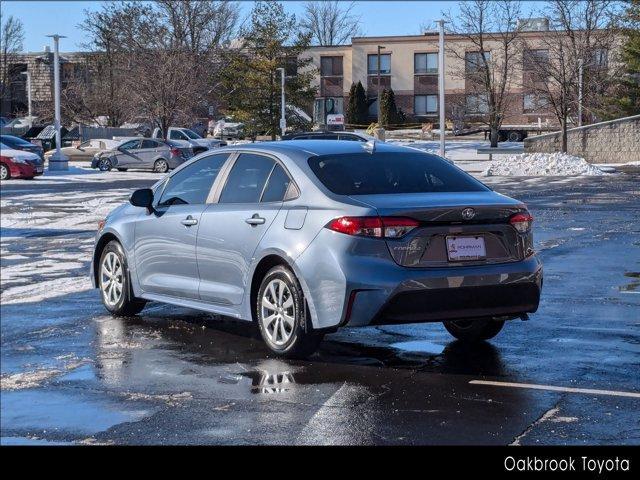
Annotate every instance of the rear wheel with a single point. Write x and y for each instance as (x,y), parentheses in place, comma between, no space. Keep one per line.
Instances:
(5,174)
(113,280)
(104,165)
(514,136)
(161,166)
(474,330)
(282,315)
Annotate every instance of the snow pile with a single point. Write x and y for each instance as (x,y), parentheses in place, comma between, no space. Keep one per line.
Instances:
(541,165)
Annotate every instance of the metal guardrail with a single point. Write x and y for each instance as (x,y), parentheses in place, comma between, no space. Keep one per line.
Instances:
(499,151)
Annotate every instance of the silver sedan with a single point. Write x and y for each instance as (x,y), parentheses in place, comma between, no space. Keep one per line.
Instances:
(142,153)
(305,237)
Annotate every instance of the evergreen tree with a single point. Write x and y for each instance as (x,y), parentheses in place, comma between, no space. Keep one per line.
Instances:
(357,107)
(389,114)
(271,41)
(626,100)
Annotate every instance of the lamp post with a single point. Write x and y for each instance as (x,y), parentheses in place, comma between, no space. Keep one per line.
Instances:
(28,75)
(57,161)
(380,48)
(441,85)
(580,73)
(283,119)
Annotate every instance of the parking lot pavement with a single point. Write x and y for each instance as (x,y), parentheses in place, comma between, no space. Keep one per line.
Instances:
(73,374)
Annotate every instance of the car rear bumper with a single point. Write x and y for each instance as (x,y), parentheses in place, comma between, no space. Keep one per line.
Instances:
(23,170)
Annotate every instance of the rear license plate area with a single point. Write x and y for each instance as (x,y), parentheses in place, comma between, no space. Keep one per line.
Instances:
(466,248)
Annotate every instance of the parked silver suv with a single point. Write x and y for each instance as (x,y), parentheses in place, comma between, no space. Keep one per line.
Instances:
(304,237)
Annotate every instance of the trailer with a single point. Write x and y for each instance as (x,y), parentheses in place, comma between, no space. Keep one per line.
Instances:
(517,133)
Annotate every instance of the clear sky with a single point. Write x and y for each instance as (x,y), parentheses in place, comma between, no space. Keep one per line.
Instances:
(41,18)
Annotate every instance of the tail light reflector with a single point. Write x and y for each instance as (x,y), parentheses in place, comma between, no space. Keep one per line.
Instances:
(521,222)
(376,227)
(175,152)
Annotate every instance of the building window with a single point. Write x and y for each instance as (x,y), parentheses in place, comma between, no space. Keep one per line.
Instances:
(599,57)
(533,102)
(425,63)
(385,64)
(373,108)
(331,66)
(477,104)
(474,62)
(534,59)
(425,104)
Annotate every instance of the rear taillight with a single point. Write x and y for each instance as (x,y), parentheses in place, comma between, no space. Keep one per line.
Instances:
(101,225)
(377,227)
(521,222)
(175,152)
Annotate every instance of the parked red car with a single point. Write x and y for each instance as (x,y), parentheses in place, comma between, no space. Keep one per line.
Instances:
(15,169)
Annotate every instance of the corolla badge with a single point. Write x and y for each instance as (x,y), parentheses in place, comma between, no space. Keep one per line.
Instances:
(468,213)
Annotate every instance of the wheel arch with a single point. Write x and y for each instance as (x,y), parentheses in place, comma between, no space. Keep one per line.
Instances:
(97,253)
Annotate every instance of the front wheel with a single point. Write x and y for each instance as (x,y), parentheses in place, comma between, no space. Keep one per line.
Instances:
(282,315)
(113,280)
(5,174)
(161,166)
(474,330)
(105,165)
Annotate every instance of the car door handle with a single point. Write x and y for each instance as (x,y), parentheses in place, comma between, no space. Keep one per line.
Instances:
(255,220)
(189,221)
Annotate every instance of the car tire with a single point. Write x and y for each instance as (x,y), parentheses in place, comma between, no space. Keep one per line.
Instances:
(122,169)
(283,317)
(105,165)
(114,282)
(474,330)
(5,174)
(161,166)
(514,137)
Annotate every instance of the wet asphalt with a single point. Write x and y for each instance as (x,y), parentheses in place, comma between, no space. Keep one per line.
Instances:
(177,376)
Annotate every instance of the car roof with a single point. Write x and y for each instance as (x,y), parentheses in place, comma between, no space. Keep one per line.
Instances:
(309,148)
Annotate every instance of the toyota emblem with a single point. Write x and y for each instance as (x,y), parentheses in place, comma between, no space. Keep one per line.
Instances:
(468,213)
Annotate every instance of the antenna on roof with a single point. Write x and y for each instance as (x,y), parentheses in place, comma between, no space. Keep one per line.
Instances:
(370,146)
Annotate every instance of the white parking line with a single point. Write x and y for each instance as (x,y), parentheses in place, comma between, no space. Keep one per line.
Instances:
(557,389)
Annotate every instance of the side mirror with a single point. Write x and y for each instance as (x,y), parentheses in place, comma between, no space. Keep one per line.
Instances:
(142,198)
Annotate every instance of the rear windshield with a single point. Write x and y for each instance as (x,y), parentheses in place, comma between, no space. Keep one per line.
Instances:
(382,173)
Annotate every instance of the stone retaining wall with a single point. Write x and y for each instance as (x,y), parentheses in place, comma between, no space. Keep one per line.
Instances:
(616,141)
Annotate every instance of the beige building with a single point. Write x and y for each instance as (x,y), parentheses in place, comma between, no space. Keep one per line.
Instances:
(409,65)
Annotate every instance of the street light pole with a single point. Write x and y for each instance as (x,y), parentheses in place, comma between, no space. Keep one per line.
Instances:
(57,161)
(378,89)
(440,23)
(283,118)
(28,75)
(580,68)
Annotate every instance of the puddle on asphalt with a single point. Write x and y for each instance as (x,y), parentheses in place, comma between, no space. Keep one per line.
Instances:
(634,286)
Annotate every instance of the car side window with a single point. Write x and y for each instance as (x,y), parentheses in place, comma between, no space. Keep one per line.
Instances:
(85,144)
(149,144)
(349,137)
(277,185)
(246,179)
(130,145)
(191,184)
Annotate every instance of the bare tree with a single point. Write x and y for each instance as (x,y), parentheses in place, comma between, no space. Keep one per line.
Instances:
(11,41)
(579,66)
(330,22)
(492,29)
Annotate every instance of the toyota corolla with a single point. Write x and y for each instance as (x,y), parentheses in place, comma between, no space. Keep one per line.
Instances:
(305,237)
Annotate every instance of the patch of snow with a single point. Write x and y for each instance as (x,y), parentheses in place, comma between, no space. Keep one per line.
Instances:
(36,292)
(541,165)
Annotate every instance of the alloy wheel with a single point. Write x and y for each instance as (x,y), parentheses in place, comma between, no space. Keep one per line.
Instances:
(161,166)
(104,165)
(111,279)
(278,312)
(4,172)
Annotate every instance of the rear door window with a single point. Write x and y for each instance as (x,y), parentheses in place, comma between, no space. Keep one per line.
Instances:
(149,144)
(388,173)
(191,185)
(130,145)
(247,179)
(277,185)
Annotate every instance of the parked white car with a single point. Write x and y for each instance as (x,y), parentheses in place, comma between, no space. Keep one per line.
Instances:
(190,138)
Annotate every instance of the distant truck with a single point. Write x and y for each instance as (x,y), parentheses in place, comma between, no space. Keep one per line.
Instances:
(190,138)
(517,133)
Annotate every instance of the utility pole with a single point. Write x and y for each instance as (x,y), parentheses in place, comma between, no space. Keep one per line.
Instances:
(440,23)
(283,118)
(580,69)
(380,48)
(28,75)
(57,161)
